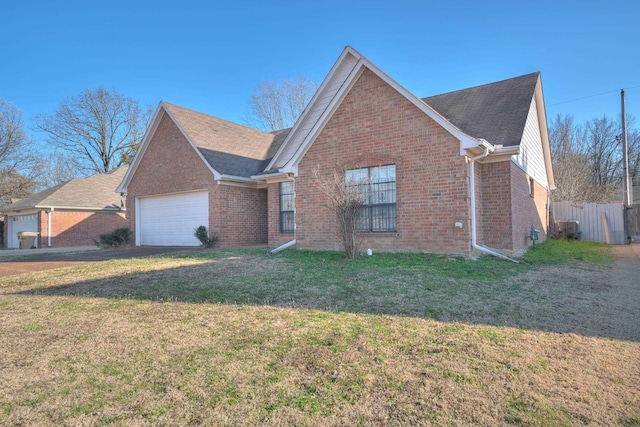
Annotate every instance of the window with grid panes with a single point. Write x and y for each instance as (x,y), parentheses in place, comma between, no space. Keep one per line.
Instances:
(287,221)
(376,186)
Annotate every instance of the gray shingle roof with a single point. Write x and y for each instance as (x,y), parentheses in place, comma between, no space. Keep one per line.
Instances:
(96,192)
(229,148)
(496,111)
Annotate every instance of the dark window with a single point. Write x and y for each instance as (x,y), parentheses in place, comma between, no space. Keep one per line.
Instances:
(531,187)
(287,222)
(376,187)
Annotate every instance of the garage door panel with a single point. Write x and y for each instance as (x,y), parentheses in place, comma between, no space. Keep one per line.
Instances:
(170,220)
(20,223)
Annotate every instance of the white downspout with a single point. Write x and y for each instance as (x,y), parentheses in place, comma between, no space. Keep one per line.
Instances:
(472,180)
(49,227)
(292,242)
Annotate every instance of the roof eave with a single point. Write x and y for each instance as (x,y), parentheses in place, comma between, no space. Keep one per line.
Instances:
(544,132)
(54,207)
(157,116)
(224,177)
(348,50)
(466,141)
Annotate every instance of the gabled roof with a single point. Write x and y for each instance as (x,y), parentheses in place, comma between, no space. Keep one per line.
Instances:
(328,97)
(228,149)
(496,111)
(93,193)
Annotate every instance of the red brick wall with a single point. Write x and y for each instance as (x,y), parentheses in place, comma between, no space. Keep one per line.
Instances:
(76,228)
(505,210)
(493,205)
(527,210)
(242,216)
(171,165)
(375,125)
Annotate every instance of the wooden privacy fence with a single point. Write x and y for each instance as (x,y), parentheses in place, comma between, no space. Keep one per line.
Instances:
(634,222)
(601,222)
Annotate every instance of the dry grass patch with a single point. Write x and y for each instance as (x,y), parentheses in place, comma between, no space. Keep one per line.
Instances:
(240,338)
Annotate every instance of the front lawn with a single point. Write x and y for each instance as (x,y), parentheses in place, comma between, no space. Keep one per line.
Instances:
(240,337)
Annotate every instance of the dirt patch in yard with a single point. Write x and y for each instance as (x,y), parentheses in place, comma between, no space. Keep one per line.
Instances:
(591,300)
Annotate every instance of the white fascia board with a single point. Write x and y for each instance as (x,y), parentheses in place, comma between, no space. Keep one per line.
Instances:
(82,208)
(268,176)
(348,50)
(544,133)
(236,178)
(502,155)
(20,212)
(151,130)
(240,181)
(325,117)
(466,141)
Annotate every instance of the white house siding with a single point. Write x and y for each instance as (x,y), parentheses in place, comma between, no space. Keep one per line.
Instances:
(531,159)
(318,108)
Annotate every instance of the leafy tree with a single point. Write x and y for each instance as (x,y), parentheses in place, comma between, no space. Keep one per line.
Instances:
(277,105)
(101,128)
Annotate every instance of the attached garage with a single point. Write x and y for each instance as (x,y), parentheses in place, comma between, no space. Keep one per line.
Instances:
(170,220)
(17,223)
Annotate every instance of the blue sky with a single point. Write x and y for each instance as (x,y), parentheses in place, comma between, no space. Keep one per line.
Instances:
(209,55)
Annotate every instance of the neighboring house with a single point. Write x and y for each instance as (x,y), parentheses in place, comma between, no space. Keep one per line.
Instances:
(446,174)
(69,214)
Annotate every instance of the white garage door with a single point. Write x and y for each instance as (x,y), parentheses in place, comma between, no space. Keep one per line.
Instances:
(171,220)
(20,223)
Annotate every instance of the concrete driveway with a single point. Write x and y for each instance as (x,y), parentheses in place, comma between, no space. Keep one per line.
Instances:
(19,262)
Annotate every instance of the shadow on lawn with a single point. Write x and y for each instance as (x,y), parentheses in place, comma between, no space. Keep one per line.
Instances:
(555,299)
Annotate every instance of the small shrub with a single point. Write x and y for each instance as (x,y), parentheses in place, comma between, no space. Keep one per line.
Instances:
(202,234)
(116,239)
(572,235)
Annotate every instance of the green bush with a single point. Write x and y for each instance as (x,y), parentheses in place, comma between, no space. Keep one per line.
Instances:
(202,234)
(116,239)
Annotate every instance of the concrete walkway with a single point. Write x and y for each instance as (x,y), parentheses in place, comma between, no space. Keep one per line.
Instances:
(17,261)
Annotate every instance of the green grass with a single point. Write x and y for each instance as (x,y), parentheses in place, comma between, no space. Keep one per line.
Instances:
(241,337)
(564,251)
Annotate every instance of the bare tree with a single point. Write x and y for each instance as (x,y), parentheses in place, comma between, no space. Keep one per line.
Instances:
(604,150)
(633,138)
(19,165)
(587,159)
(277,105)
(345,199)
(60,168)
(101,128)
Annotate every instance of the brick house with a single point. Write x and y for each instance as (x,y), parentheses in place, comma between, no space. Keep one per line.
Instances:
(73,213)
(451,173)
